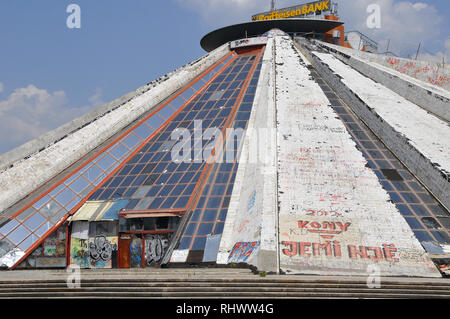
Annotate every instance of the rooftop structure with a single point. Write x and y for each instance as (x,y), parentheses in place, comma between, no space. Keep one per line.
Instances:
(277,150)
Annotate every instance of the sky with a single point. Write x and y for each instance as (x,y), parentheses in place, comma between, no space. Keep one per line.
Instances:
(51,74)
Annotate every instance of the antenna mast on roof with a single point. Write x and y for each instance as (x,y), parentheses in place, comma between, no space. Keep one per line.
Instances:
(272,5)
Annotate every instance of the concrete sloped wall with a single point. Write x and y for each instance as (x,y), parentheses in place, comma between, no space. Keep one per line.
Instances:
(433,73)
(33,164)
(417,138)
(334,215)
(250,232)
(428,96)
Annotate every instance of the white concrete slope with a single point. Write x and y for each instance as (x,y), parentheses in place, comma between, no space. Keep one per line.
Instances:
(250,231)
(28,174)
(419,139)
(334,215)
(428,96)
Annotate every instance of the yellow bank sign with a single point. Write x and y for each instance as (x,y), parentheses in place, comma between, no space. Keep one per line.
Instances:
(295,12)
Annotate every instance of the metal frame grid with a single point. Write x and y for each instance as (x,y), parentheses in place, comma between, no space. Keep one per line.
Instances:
(429,220)
(209,214)
(30,226)
(154,182)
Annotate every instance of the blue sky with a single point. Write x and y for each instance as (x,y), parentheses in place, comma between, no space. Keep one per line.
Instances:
(50,74)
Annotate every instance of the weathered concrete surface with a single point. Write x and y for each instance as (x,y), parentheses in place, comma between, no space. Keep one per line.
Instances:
(334,215)
(419,139)
(432,73)
(430,97)
(252,215)
(33,164)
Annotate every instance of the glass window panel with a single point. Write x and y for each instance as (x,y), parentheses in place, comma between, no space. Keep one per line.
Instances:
(18,235)
(131,141)
(423,236)
(27,243)
(198,85)
(106,162)
(8,227)
(55,219)
(41,202)
(181,202)
(79,185)
(62,234)
(167,146)
(404,210)
(431,222)
(162,223)
(185,243)
(199,243)
(190,229)
(144,204)
(100,179)
(188,94)
(72,204)
(420,210)
(35,221)
(119,151)
(143,131)
(93,173)
(25,214)
(72,178)
(136,224)
(168,203)
(177,103)
(50,209)
(414,223)
(149,224)
(441,236)
(166,112)
(44,228)
(155,121)
(189,190)
(58,189)
(142,191)
(85,193)
(410,198)
(65,197)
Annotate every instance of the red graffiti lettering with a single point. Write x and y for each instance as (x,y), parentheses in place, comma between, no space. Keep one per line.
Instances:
(292,251)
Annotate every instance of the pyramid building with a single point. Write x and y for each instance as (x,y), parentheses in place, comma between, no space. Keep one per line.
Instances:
(283,148)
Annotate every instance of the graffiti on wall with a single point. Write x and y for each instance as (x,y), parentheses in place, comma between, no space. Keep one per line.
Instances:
(426,72)
(79,252)
(155,248)
(101,251)
(136,252)
(242,251)
(314,242)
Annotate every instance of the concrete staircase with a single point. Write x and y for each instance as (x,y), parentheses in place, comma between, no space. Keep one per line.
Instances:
(209,283)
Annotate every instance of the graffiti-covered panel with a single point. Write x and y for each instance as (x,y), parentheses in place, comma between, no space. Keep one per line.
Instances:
(101,251)
(79,252)
(155,248)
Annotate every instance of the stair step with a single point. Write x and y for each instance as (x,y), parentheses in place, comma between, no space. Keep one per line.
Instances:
(206,295)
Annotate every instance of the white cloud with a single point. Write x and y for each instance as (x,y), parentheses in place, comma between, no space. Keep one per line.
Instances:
(1,87)
(404,23)
(30,112)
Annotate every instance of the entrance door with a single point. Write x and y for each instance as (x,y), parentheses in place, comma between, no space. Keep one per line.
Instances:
(124,251)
